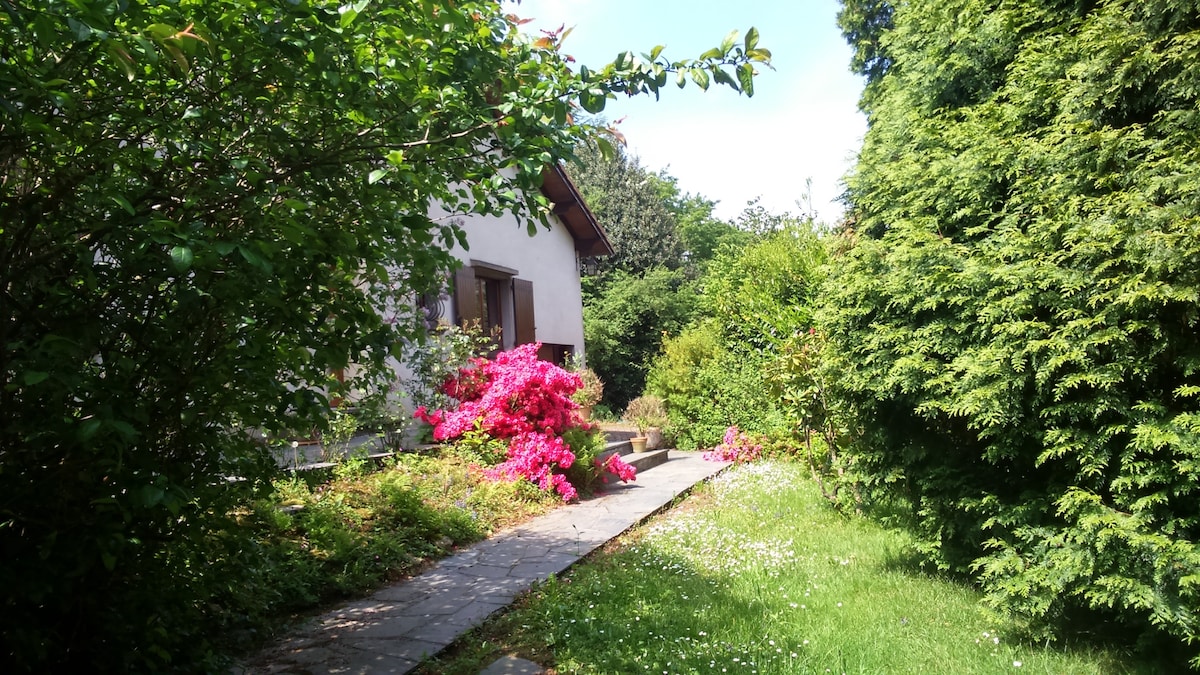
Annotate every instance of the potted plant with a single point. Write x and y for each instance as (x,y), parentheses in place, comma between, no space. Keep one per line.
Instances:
(648,414)
(590,393)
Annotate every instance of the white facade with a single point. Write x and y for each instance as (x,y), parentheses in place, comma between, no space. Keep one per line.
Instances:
(500,247)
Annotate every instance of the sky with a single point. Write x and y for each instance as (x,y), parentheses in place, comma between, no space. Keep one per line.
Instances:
(802,122)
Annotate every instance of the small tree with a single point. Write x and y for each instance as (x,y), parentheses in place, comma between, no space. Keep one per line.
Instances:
(207,207)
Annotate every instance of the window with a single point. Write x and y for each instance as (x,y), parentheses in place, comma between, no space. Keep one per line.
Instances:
(498,300)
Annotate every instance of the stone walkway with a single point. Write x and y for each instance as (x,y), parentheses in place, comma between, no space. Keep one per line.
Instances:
(393,629)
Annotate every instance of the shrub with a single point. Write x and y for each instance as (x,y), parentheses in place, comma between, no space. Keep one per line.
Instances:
(707,387)
(1014,325)
(735,446)
(646,411)
(527,402)
(624,324)
(591,389)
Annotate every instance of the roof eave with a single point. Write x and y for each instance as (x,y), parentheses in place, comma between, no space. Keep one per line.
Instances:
(572,210)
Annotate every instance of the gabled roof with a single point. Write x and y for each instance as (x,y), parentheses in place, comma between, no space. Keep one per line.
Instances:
(590,239)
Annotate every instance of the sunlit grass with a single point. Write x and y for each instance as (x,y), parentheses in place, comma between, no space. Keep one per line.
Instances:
(755,574)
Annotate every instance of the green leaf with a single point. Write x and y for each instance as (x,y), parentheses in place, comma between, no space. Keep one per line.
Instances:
(123,203)
(349,12)
(376,176)
(751,40)
(592,103)
(88,429)
(723,77)
(119,53)
(607,151)
(700,77)
(655,52)
(181,257)
(745,73)
(728,42)
(32,377)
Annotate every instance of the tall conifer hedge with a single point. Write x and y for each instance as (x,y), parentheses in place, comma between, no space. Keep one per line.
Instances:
(1017,320)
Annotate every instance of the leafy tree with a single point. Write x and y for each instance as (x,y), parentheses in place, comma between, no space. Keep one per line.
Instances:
(624,324)
(866,23)
(701,234)
(623,197)
(1016,318)
(205,207)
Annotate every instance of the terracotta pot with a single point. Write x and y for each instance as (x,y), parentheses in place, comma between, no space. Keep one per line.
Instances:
(638,443)
(585,412)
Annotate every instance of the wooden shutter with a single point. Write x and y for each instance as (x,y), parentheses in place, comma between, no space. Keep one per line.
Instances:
(466,303)
(526,329)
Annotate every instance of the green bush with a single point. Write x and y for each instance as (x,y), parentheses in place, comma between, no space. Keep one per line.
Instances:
(724,369)
(624,324)
(1015,325)
(709,387)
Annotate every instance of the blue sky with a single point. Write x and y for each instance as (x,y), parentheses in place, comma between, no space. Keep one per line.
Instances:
(802,122)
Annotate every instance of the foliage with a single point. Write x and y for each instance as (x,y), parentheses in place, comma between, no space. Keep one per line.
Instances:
(362,529)
(435,358)
(624,325)
(1015,323)
(591,388)
(755,300)
(803,388)
(646,411)
(591,467)
(521,399)
(754,573)
(736,446)
(206,207)
(708,386)
(764,292)
(865,24)
(640,228)
(701,234)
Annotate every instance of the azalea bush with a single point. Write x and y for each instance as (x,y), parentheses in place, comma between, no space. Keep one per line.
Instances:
(736,446)
(526,401)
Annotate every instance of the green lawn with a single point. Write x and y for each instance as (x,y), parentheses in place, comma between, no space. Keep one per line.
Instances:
(755,574)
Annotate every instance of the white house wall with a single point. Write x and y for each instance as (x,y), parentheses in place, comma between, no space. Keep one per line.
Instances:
(547,259)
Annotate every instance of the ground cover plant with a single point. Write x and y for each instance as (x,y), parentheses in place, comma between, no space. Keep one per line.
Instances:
(756,574)
(331,539)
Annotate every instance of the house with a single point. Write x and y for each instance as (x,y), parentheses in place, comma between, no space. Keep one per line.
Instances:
(527,287)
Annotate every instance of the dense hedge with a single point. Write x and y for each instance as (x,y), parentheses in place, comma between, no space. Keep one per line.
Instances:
(1016,320)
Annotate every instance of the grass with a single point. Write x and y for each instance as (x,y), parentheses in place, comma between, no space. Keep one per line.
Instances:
(755,574)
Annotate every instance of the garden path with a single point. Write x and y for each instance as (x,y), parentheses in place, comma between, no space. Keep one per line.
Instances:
(393,629)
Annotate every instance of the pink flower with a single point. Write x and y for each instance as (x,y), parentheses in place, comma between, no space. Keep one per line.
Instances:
(614,464)
(736,447)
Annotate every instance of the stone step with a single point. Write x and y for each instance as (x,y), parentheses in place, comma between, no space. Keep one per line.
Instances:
(614,434)
(644,461)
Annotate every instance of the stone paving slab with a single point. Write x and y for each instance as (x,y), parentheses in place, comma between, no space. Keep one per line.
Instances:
(393,629)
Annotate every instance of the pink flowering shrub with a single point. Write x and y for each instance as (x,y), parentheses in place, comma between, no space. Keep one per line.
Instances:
(737,446)
(526,401)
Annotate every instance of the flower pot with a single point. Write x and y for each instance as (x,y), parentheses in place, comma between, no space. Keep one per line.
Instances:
(585,412)
(638,443)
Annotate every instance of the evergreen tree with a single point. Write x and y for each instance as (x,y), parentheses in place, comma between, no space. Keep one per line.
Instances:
(1017,319)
